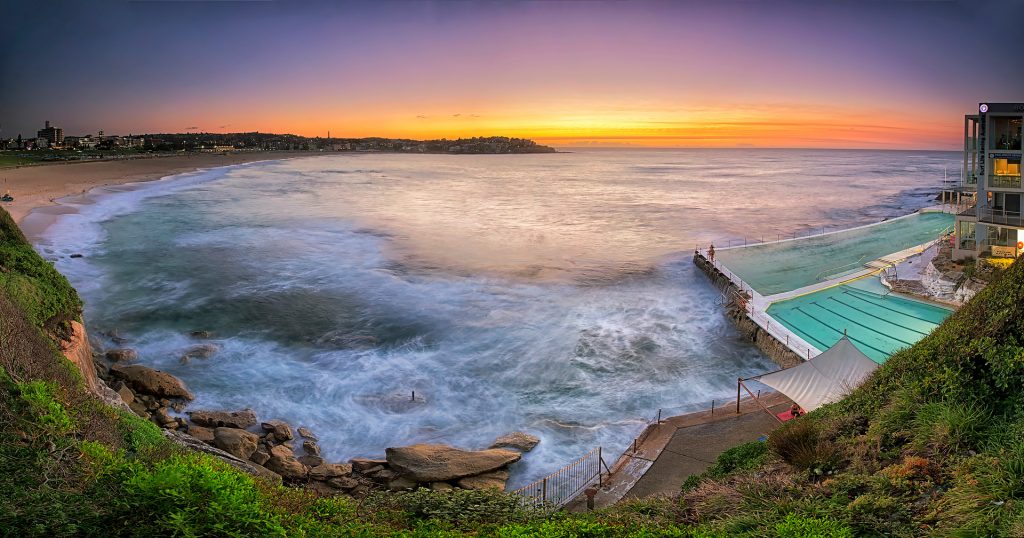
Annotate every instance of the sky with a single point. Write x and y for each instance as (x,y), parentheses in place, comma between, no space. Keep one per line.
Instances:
(733,73)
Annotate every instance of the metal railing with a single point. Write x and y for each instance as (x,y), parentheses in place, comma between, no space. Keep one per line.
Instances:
(558,488)
(999,216)
(845,268)
(1003,182)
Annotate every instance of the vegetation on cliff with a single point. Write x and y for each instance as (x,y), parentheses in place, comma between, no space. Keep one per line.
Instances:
(932,444)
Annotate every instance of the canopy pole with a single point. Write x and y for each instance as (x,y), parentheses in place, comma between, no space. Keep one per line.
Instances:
(758,402)
(738,381)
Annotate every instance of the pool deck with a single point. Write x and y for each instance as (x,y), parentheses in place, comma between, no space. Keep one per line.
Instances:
(756,307)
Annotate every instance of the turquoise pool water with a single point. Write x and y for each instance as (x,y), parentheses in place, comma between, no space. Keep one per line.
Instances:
(878,324)
(786,266)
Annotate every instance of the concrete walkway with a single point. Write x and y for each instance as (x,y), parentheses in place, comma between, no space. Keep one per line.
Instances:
(669,452)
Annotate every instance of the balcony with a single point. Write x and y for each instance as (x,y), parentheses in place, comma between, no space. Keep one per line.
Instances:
(1004,182)
(1000,216)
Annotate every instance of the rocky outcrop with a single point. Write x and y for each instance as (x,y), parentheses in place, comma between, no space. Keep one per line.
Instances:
(150,381)
(192,443)
(79,352)
(230,419)
(523,442)
(279,429)
(442,463)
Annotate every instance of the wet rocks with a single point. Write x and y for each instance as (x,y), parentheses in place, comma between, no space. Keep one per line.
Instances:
(236,442)
(279,429)
(492,480)
(200,334)
(230,419)
(283,462)
(149,381)
(200,351)
(523,442)
(122,354)
(442,463)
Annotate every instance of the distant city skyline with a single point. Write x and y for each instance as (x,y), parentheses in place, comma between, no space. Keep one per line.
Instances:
(848,74)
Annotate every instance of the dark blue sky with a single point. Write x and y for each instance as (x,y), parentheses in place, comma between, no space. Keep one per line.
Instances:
(857,74)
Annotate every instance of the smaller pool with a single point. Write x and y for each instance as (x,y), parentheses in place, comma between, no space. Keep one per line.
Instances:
(785,266)
(879,324)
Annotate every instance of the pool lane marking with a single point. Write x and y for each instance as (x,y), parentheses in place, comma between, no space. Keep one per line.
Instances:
(848,305)
(854,292)
(806,336)
(855,322)
(841,332)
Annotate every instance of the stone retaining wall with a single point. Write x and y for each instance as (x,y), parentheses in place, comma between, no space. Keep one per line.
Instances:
(768,344)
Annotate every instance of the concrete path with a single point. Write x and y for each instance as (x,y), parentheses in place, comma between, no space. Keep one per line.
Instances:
(668,452)
(693,449)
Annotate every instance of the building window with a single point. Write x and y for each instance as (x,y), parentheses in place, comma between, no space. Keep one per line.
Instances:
(1005,173)
(997,235)
(965,237)
(1005,133)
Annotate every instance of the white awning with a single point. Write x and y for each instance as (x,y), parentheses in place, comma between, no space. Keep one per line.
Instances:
(824,379)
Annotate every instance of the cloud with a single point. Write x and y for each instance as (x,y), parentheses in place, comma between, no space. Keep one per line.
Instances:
(224,126)
(193,128)
(421,116)
(456,115)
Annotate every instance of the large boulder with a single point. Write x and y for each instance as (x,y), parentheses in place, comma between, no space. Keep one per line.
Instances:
(122,354)
(149,381)
(283,462)
(280,429)
(238,443)
(192,443)
(327,471)
(200,351)
(491,480)
(216,419)
(442,463)
(520,441)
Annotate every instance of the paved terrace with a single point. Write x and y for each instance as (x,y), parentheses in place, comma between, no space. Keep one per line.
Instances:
(684,445)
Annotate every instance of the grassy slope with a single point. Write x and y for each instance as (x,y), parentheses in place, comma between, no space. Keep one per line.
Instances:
(932,444)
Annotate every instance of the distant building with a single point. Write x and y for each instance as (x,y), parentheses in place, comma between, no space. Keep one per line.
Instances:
(992,154)
(53,135)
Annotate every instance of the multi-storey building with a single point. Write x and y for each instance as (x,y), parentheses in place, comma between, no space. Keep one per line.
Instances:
(992,154)
(53,135)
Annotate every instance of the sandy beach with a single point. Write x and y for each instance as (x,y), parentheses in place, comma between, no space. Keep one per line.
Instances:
(41,185)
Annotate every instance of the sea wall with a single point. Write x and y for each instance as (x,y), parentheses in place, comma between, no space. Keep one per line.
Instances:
(735,311)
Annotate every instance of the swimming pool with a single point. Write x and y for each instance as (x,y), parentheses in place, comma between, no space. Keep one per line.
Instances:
(788,265)
(879,324)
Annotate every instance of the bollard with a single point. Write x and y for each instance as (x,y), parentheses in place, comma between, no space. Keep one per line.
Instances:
(413,396)
(712,407)
(659,416)
(758,393)
(634,445)
(590,492)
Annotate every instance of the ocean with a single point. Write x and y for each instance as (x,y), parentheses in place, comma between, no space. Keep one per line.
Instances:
(552,294)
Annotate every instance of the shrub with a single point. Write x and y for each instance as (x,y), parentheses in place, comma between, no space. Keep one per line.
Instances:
(738,458)
(949,427)
(800,444)
(795,526)
(192,495)
(45,409)
(459,507)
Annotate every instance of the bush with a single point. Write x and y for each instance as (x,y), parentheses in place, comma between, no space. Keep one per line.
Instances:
(794,526)
(949,427)
(738,458)
(800,444)
(192,495)
(459,507)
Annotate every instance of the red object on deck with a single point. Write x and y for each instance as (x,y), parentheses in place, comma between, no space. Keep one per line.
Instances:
(788,415)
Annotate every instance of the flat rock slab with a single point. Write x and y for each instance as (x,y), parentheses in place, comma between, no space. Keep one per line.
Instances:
(520,441)
(215,419)
(442,463)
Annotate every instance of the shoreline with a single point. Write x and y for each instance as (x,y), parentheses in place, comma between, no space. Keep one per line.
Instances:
(40,186)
